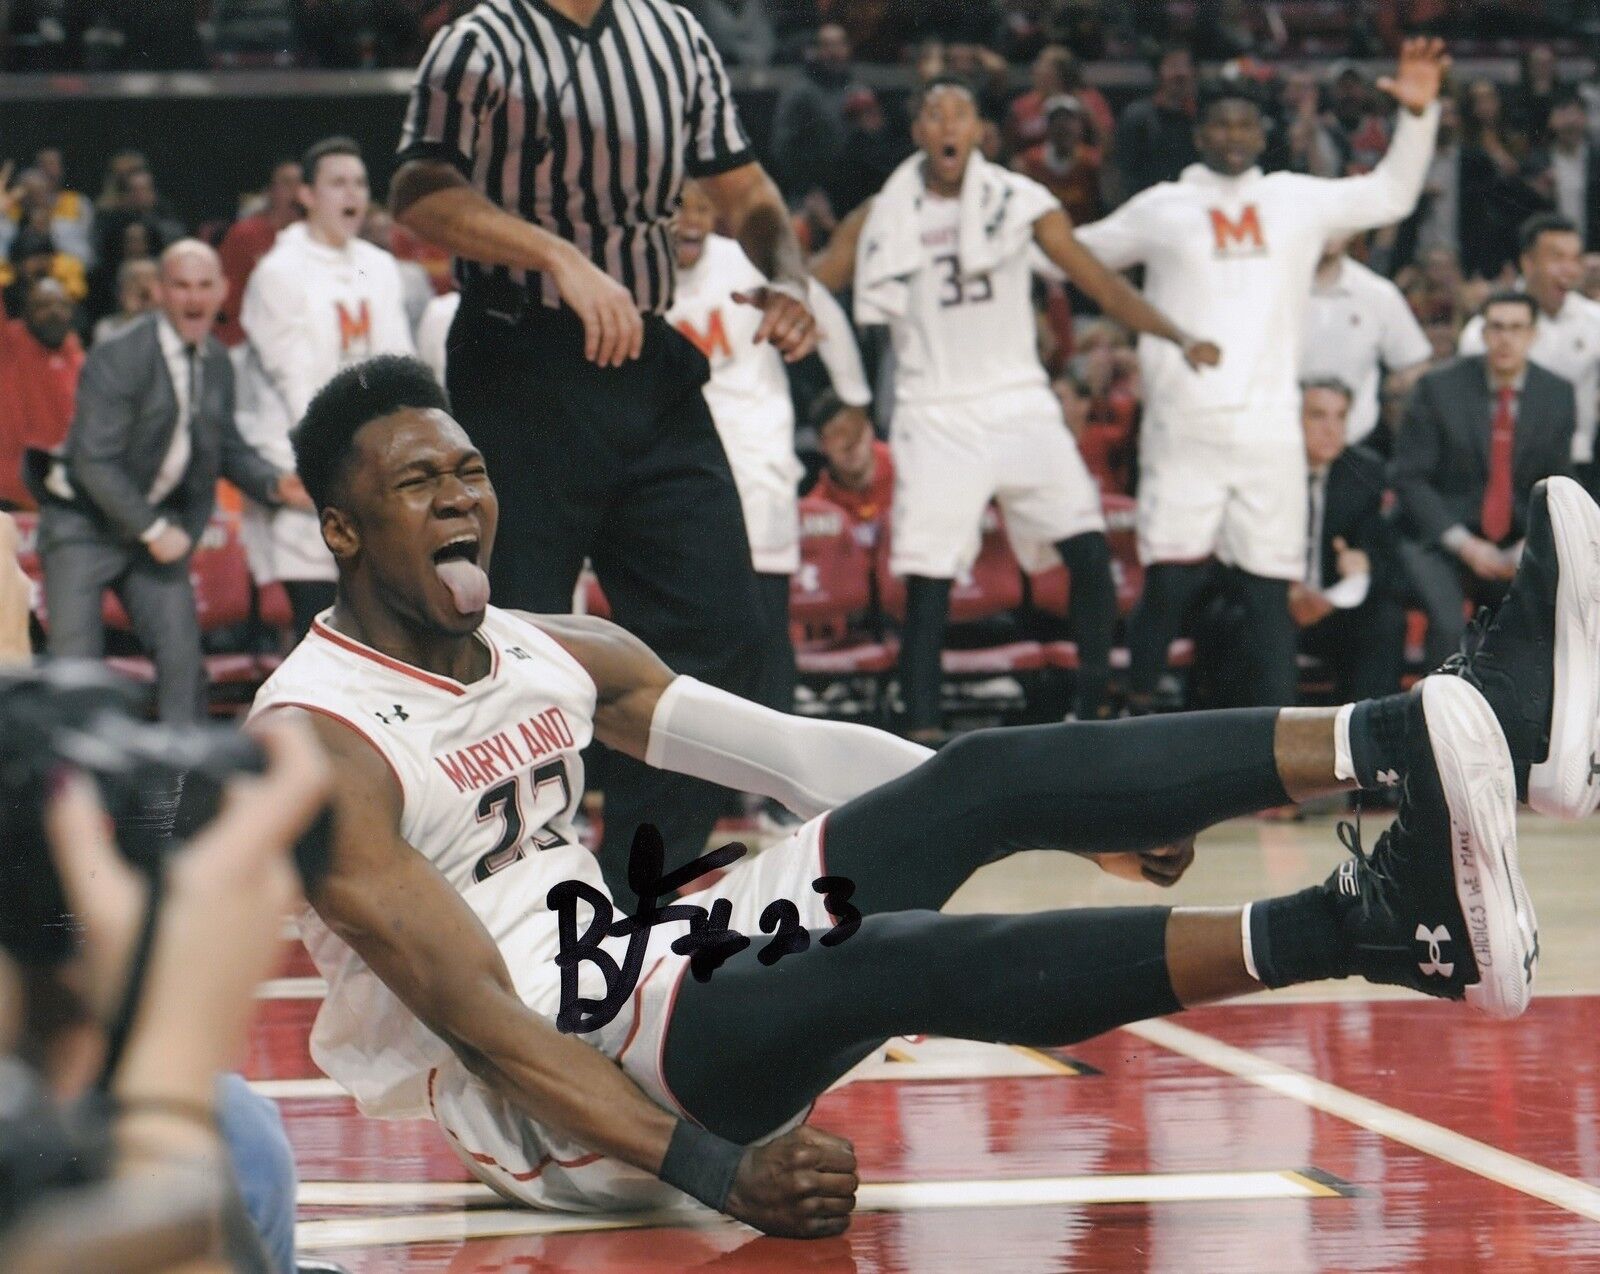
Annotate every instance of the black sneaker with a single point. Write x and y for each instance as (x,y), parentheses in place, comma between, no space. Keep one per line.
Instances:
(1537,661)
(1439,905)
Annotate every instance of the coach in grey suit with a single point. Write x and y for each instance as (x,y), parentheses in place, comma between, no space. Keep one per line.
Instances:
(1478,433)
(135,486)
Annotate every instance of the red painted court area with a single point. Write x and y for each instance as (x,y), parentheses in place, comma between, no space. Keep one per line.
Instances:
(1434,1141)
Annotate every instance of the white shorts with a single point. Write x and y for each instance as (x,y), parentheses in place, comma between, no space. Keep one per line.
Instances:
(506,1150)
(951,459)
(1245,502)
(285,544)
(769,495)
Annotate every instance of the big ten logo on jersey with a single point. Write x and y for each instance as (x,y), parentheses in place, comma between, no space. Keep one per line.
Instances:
(1239,236)
(713,342)
(521,796)
(355,330)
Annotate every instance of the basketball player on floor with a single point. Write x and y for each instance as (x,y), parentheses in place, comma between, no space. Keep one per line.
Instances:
(944,261)
(750,403)
(458,727)
(1222,465)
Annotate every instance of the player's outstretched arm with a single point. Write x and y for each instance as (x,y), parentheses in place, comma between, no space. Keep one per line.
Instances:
(1111,292)
(835,266)
(437,202)
(680,724)
(753,208)
(394,909)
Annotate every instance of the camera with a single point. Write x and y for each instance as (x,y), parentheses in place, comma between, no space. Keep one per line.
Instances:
(158,783)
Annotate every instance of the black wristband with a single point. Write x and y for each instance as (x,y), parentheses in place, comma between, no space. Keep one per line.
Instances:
(701,1164)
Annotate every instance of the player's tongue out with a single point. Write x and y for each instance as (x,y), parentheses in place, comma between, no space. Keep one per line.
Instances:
(468,585)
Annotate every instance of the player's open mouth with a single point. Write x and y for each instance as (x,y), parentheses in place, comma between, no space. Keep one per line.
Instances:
(461,549)
(949,152)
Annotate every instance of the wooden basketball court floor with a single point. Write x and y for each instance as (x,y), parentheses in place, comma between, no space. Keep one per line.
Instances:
(1336,1128)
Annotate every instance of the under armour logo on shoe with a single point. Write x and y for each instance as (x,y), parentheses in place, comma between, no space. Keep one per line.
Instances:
(1594,767)
(1388,778)
(399,714)
(1531,960)
(1435,966)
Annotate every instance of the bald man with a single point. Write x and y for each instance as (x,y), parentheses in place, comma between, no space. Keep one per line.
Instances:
(125,503)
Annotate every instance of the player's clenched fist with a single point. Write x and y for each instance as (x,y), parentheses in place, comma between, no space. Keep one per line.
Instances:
(801,1186)
(1200,354)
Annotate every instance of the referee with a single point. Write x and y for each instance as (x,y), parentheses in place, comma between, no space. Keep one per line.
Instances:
(545,146)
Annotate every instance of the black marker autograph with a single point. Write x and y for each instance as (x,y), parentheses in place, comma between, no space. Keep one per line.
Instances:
(708,943)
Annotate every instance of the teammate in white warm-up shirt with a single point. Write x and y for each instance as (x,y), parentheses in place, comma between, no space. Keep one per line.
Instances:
(945,259)
(751,405)
(1566,338)
(1359,326)
(1222,463)
(322,299)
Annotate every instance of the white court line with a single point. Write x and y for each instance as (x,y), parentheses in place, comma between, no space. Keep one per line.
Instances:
(1027,1192)
(292,989)
(1420,1134)
(290,1089)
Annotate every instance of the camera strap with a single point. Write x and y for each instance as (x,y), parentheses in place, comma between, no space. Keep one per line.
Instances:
(122,1023)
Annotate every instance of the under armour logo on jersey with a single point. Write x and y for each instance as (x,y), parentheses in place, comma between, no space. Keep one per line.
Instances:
(389,718)
(1388,778)
(1435,965)
(517,652)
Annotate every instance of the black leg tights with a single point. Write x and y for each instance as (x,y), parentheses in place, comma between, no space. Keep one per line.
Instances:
(1271,638)
(753,1047)
(922,643)
(1169,592)
(776,688)
(1092,617)
(1077,786)
(308,598)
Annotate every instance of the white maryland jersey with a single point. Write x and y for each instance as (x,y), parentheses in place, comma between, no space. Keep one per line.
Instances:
(1355,326)
(749,389)
(490,775)
(309,311)
(1231,259)
(965,335)
(1568,344)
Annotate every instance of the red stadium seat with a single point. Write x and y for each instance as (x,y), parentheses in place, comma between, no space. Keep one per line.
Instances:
(830,594)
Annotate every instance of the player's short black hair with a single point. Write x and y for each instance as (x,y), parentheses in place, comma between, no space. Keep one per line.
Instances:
(1331,383)
(1510,296)
(1218,89)
(321,150)
(359,394)
(1542,223)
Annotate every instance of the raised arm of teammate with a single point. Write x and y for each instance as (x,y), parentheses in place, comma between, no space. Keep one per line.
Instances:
(835,266)
(433,199)
(392,907)
(1111,292)
(1390,191)
(753,209)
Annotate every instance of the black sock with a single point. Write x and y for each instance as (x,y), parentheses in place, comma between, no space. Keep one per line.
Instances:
(1378,740)
(1297,939)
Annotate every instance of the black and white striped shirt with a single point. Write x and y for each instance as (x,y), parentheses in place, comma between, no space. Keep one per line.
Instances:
(586,132)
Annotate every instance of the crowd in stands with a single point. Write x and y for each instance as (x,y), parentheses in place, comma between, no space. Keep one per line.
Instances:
(78,255)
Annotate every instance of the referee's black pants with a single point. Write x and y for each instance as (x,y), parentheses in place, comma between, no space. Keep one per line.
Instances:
(623,466)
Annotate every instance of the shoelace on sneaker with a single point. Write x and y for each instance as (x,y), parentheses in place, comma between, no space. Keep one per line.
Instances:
(1471,642)
(1349,834)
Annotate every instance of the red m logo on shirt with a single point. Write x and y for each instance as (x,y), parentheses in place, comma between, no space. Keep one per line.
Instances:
(354,327)
(1236,238)
(711,341)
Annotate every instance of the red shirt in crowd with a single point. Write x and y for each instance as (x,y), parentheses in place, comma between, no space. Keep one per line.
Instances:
(38,391)
(870,504)
(1026,124)
(1078,188)
(247,241)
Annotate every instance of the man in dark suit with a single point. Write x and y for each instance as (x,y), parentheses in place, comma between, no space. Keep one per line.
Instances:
(1347,608)
(134,488)
(1478,433)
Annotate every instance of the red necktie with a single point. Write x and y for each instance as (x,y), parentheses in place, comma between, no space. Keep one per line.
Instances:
(1496,519)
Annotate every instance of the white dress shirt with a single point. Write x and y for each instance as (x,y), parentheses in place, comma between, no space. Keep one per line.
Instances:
(183,366)
(1356,326)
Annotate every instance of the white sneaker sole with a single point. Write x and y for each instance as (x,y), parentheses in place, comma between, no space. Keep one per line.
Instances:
(1564,784)
(1480,791)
